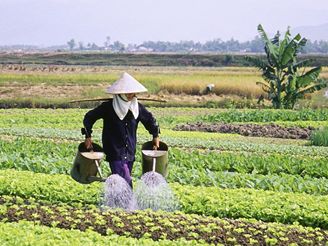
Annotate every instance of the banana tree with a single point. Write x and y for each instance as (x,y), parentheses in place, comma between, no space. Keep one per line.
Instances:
(285,79)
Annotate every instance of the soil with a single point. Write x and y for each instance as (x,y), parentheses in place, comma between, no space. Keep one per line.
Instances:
(44,91)
(157,226)
(47,91)
(253,130)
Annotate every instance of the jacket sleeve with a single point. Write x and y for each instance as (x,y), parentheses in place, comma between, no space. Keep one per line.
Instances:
(91,117)
(148,120)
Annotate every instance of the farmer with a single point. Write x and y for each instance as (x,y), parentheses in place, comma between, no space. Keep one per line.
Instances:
(121,116)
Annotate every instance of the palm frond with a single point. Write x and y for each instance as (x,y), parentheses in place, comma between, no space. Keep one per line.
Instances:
(309,77)
(270,49)
(269,74)
(263,34)
(301,44)
(311,88)
(290,51)
(265,87)
(301,64)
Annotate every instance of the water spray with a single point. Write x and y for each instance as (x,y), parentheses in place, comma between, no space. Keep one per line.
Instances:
(118,194)
(152,191)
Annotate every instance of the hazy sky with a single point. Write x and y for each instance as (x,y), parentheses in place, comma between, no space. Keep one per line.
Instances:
(51,22)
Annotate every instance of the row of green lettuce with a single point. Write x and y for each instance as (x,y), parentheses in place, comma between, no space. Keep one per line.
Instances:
(268,206)
(72,119)
(167,117)
(194,140)
(267,115)
(157,225)
(277,172)
(34,153)
(31,233)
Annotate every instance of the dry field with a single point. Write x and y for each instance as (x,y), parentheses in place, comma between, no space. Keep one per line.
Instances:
(175,84)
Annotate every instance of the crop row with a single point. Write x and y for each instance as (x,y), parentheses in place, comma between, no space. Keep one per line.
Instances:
(37,154)
(255,163)
(157,226)
(246,145)
(225,170)
(168,118)
(267,115)
(182,174)
(143,135)
(32,233)
(267,206)
(194,141)
(72,118)
(282,182)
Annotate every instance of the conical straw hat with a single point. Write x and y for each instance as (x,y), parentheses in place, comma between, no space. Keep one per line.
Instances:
(126,84)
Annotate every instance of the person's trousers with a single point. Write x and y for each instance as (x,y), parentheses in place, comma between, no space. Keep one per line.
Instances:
(122,168)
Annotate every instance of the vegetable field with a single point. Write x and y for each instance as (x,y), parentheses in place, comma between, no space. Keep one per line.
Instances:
(233,189)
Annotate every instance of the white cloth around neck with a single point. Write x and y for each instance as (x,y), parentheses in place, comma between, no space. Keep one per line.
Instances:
(122,106)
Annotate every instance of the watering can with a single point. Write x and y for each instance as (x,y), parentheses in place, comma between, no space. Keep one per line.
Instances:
(155,160)
(86,164)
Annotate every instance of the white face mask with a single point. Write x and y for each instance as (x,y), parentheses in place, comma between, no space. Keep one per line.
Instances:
(122,106)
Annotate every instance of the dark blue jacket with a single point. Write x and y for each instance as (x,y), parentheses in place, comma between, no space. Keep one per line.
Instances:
(119,137)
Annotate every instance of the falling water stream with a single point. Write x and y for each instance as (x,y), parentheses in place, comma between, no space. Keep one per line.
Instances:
(151,192)
(118,194)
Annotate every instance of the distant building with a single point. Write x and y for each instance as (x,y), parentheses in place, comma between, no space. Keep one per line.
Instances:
(144,49)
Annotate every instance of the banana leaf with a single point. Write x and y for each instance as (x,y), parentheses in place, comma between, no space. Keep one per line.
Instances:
(309,77)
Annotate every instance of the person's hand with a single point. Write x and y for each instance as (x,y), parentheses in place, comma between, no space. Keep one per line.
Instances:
(155,143)
(88,143)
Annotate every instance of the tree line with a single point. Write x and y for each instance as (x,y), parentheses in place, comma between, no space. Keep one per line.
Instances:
(214,46)
(254,46)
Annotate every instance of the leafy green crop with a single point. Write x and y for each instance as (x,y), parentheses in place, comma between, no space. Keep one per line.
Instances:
(267,206)
(155,225)
(267,115)
(210,168)
(31,233)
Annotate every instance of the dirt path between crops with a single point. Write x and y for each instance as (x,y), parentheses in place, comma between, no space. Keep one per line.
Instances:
(253,130)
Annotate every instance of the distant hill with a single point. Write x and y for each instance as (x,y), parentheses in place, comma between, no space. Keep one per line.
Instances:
(312,33)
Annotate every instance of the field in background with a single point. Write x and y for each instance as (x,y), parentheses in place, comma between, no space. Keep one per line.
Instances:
(180,86)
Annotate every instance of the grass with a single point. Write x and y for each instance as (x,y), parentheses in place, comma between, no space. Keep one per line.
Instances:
(88,82)
(37,83)
(55,79)
(241,84)
(320,137)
